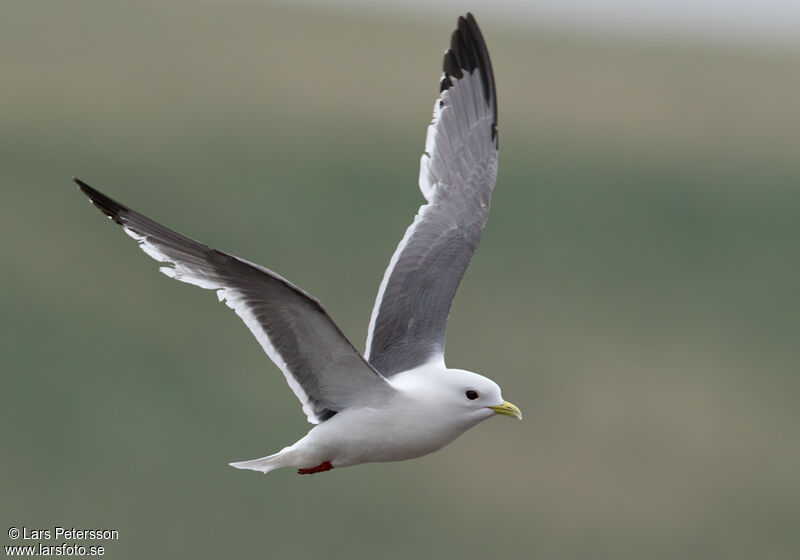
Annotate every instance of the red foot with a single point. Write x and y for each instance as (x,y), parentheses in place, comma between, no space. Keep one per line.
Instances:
(326,466)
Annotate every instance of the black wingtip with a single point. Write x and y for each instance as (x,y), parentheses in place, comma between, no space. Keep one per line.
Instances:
(105,204)
(467,52)
(85,189)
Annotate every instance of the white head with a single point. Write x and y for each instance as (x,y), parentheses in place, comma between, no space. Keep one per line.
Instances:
(456,396)
(475,395)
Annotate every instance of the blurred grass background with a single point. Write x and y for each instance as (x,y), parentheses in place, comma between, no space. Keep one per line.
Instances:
(635,293)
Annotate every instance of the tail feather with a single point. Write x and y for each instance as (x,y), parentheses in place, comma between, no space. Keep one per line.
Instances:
(264,464)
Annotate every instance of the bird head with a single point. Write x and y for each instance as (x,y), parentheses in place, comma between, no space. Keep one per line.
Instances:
(473,395)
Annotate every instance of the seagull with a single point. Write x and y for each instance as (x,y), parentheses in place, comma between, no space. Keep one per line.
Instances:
(399,400)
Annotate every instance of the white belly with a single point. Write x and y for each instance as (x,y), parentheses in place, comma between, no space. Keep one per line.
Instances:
(368,435)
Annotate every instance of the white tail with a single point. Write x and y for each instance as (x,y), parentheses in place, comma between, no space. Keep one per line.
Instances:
(264,464)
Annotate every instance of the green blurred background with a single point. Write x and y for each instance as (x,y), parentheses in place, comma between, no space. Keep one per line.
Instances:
(636,292)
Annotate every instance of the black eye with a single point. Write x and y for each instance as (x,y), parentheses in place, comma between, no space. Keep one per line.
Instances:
(471,395)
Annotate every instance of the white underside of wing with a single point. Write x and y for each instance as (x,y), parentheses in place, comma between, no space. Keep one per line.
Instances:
(233,299)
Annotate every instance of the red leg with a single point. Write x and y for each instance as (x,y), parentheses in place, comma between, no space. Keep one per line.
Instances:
(326,466)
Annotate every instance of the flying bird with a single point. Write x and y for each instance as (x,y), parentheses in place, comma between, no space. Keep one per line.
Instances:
(399,400)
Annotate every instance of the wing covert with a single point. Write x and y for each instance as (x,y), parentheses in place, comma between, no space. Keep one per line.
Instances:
(325,371)
(457,177)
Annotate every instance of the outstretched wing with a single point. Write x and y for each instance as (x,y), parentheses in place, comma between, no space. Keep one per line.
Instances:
(322,367)
(457,176)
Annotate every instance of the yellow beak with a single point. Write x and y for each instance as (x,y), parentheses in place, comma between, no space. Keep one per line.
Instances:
(507,409)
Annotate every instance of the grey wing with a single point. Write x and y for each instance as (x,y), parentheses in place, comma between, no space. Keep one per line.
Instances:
(321,366)
(457,176)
